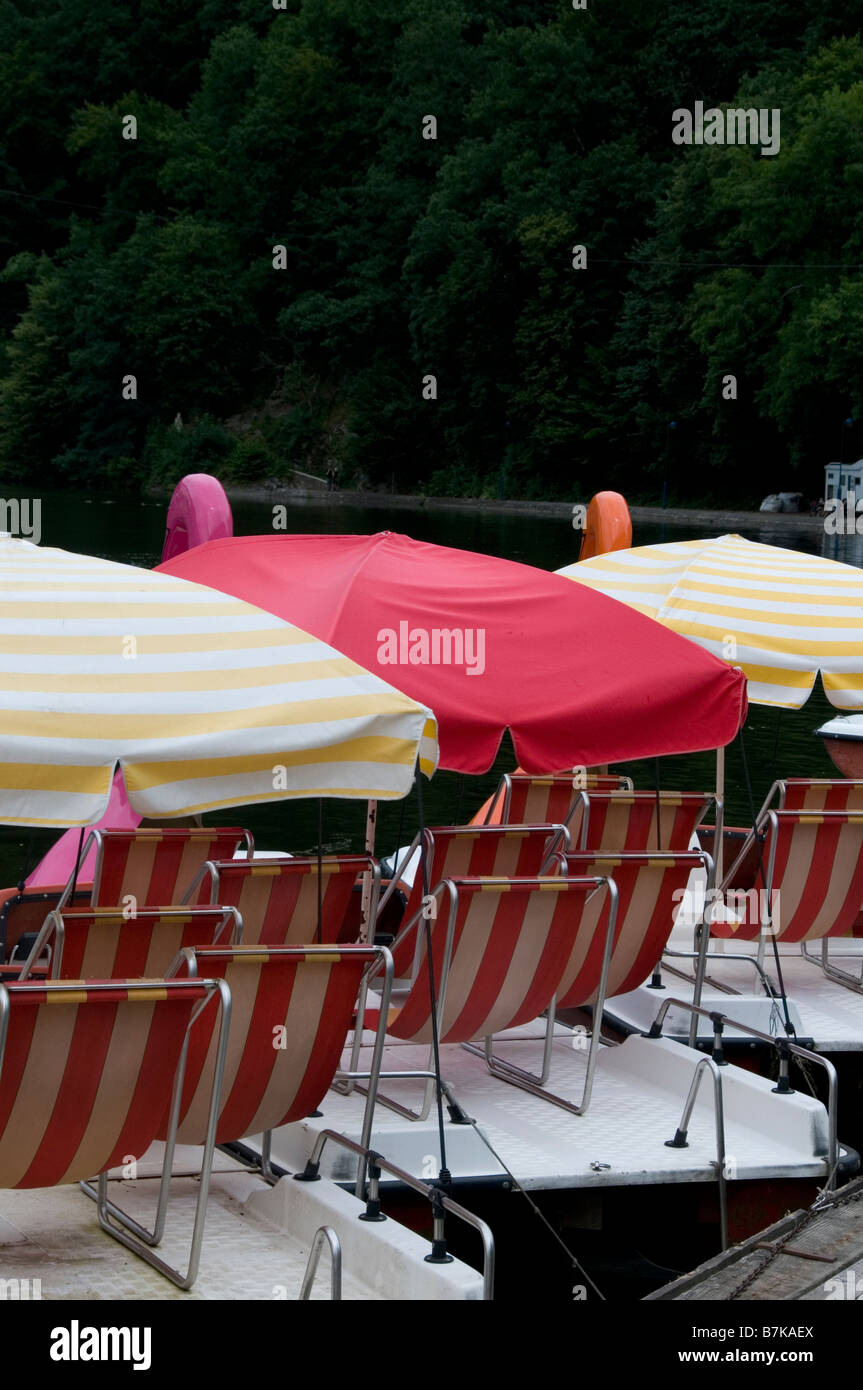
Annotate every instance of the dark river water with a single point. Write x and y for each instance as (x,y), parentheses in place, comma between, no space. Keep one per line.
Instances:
(778,742)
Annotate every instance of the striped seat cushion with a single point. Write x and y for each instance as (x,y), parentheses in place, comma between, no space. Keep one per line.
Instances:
(291,1010)
(614,822)
(816,885)
(820,794)
(650,890)
(478,851)
(510,944)
(105,945)
(87,1074)
(155,867)
(524,800)
(278,899)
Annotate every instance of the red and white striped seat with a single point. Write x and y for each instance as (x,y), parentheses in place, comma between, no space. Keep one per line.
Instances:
(650,890)
(87,1074)
(637,822)
(291,1010)
(525,800)
(790,794)
(477,851)
(809,879)
(815,794)
(105,945)
(153,867)
(278,898)
(501,950)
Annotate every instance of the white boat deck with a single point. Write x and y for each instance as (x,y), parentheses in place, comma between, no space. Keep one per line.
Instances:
(829,1013)
(256,1243)
(258,1238)
(638,1098)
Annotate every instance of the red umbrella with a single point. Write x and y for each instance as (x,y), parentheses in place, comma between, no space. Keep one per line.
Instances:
(579,679)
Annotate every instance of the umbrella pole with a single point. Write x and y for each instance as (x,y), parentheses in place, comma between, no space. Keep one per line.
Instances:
(720,802)
(371,824)
(702,945)
(444,1178)
(320,865)
(77,867)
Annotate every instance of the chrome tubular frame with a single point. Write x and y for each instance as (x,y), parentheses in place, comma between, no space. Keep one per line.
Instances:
(432,1194)
(324,1235)
(503,791)
(123,1227)
(186,959)
(428,1074)
(768,888)
(527,1081)
(383,898)
(831,970)
(719,829)
(53,926)
(726,955)
(581,798)
(702,931)
(680,1141)
(785,1047)
(4,1022)
(94,838)
(209,867)
(371,893)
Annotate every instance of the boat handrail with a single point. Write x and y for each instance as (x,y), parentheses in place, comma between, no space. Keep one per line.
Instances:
(786,1048)
(324,1235)
(436,1195)
(680,1138)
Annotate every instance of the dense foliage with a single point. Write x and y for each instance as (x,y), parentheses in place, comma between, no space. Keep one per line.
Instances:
(405,257)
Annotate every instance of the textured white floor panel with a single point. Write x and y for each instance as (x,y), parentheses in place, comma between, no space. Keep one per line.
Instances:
(256,1244)
(52,1234)
(829,1013)
(637,1103)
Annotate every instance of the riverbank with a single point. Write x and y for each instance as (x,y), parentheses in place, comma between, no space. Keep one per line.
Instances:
(288,496)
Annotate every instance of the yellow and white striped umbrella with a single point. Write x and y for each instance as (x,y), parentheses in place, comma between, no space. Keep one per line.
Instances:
(780,615)
(204,701)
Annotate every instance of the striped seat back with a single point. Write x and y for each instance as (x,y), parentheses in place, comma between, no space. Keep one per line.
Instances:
(816,885)
(155,867)
(618,822)
(510,941)
(87,1074)
(650,890)
(291,1010)
(104,945)
(479,851)
(820,794)
(277,899)
(486,851)
(525,800)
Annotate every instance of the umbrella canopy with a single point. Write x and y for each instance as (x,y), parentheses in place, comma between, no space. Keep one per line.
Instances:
(781,615)
(489,644)
(204,701)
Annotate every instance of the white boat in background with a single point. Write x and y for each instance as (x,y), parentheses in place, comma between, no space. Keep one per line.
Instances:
(843,740)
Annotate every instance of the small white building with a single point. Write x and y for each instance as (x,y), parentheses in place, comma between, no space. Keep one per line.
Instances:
(842,478)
